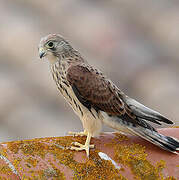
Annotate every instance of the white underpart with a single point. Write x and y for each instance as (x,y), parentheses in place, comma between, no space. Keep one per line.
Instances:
(92,122)
(115,123)
(106,157)
(9,164)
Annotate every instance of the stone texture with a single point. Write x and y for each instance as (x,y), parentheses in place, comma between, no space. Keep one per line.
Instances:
(115,157)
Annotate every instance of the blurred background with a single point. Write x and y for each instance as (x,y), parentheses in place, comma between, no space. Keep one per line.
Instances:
(135,43)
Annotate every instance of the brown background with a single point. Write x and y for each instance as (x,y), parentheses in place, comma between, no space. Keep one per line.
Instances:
(136,43)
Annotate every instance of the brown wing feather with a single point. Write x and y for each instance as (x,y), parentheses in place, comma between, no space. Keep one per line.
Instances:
(95,88)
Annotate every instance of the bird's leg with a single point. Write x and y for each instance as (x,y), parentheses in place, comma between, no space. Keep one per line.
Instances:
(85,147)
(84,133)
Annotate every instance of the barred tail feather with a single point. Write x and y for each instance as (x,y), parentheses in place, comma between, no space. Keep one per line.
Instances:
(165,142)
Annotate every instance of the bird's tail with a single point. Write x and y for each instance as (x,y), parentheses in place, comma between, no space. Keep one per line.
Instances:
(165,142)
(150,134)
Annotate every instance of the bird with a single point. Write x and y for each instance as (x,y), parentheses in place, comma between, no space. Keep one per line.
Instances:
(97,100)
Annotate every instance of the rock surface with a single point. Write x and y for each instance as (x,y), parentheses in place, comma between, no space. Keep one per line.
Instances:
(115,157)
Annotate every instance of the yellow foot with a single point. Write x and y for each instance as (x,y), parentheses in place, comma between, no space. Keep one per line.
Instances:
(81,147)
(85,146)
(84,133)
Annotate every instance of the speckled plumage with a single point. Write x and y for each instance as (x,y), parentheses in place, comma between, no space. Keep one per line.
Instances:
(59,73)
(96,99)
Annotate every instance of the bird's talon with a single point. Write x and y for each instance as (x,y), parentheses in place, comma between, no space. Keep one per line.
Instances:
(81,147)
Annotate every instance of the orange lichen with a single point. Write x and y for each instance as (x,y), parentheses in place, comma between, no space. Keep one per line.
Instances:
(94,168)
(51,173)
(170,178)
(120,137)
(174,127)
(32,161)
(54,152)
(5,169)
(135,158)
(16,162)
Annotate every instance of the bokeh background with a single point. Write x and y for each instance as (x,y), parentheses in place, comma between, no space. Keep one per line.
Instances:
(136,44)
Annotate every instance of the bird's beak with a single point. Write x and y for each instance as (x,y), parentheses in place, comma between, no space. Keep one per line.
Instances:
(42,52)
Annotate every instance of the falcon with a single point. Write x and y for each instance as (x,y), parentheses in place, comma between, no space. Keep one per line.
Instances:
(97,100)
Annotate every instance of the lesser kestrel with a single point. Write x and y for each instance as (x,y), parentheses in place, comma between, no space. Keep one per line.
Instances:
(97,100)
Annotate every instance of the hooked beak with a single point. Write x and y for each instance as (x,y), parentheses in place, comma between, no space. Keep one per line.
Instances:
(42,53)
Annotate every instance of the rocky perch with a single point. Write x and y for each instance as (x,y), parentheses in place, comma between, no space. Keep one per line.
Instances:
(115,156)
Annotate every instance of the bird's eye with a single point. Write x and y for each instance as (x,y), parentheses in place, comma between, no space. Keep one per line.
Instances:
(50,44)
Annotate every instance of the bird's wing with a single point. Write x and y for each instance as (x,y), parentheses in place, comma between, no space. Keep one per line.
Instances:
(94,90)
(144,112)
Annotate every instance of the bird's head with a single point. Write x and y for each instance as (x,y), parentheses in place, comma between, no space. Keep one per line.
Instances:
(54,47)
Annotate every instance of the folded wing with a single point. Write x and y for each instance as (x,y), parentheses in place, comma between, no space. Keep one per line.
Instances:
(93,89)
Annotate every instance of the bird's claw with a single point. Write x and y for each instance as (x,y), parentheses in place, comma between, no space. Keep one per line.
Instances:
(81,147)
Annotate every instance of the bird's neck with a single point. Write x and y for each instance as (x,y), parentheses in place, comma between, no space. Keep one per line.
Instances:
(73,57)
(64,61)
